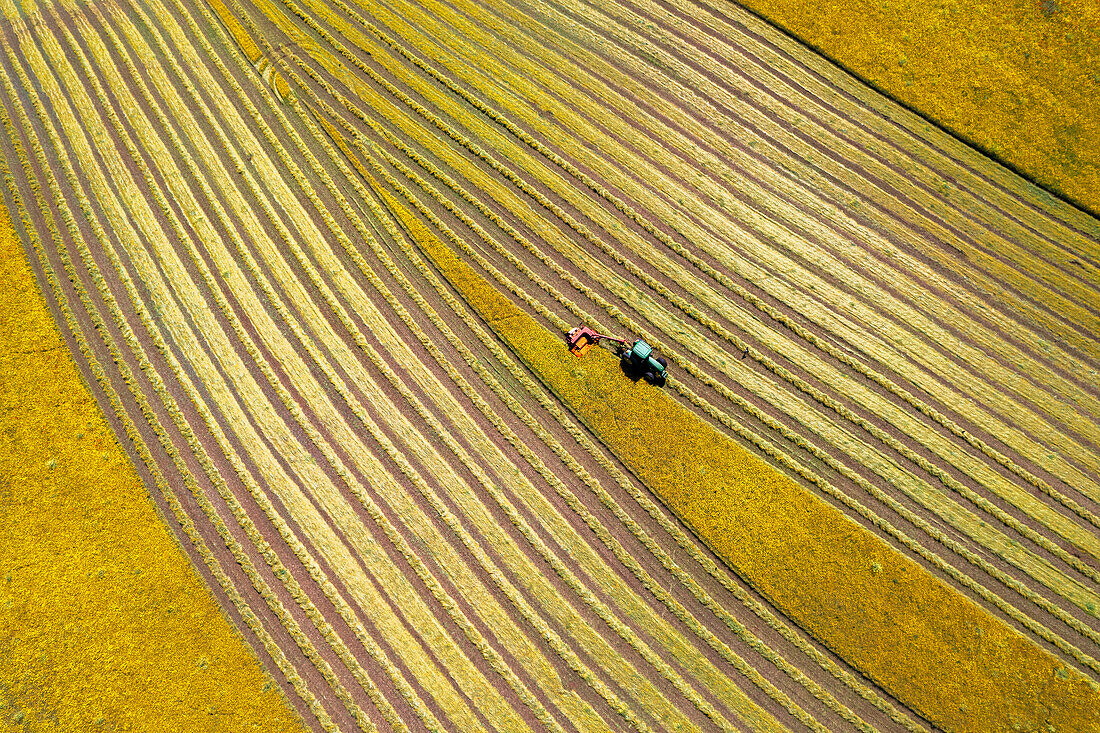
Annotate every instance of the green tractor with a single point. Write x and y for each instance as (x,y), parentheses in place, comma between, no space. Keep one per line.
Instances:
(638,359)
(641,360)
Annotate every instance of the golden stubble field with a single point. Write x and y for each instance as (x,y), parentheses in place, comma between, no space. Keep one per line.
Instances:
(316,259)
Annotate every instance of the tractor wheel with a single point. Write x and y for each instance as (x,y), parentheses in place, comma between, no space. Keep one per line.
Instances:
(662,361)
(651,377)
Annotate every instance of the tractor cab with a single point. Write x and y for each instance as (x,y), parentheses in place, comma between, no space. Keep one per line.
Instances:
(639,359)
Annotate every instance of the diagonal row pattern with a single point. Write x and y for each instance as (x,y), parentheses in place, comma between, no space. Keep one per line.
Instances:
(412,529)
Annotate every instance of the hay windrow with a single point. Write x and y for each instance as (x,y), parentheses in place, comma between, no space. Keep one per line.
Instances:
(313,252)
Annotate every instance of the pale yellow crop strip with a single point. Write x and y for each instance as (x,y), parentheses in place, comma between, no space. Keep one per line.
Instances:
(1063,280)
(1021,499)
(460,141)
(832,350)
(140,123)
(1019,556)
(185,522)
(711,567)
(339,603)
(388,713)
(990,181)
(625,160)
(246,564)
(546,511)
(474,601)
(970,556)
(391,580)
(514,406)
(625,106)
(490,526)
(250,618)
(216,386)
(567,654)
(1044,453)
(811,185)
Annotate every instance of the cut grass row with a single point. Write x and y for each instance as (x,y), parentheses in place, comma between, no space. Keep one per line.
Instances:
(623,162)
(605,498)
(315,711)
(974,528)
(145,591)
(168,310)
(691,479)
(329,380)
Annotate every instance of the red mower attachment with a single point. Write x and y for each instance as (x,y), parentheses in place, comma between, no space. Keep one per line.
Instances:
(583,338)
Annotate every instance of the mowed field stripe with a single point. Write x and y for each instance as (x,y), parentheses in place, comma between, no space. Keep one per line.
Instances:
(147,274)
(1070,588)
(403,510)
(483,531)
(560,451)
(274,646)
(744,541)
(1081,599)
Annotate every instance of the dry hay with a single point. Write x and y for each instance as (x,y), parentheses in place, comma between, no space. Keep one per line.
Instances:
(400,505)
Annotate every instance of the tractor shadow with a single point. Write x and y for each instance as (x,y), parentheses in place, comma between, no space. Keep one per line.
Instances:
(631,373)
(636,375)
